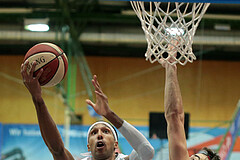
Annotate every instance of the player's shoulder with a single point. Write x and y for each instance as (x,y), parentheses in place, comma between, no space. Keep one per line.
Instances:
(87,158)
(121,156)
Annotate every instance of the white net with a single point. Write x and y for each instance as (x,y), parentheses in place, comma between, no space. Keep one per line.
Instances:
(164,23)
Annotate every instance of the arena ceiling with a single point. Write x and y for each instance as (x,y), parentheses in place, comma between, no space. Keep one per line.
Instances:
(111,28)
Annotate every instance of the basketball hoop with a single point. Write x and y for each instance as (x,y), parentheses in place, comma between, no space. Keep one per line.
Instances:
(164,23)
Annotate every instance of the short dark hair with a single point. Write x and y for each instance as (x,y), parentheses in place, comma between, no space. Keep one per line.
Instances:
(210,153)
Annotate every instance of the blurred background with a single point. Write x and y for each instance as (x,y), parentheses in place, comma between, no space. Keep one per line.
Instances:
(105,38)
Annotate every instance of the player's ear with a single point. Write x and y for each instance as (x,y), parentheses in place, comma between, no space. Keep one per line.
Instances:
(88,146)
(116,145)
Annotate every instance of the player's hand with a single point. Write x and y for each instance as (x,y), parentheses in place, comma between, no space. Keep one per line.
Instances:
(31,82)
(172,54)
(101,106)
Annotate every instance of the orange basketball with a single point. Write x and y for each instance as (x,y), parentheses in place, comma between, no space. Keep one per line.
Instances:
(52,59)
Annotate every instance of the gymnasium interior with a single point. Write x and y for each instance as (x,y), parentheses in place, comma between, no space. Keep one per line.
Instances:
(105,38)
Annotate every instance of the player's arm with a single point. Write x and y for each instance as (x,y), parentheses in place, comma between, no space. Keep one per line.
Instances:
(144,150)
(48,128)
(174,114)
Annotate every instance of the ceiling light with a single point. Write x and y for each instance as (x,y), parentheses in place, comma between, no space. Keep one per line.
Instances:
(222,27)
(36,25)
(175,31)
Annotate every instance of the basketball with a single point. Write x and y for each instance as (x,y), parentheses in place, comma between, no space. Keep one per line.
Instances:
(52,59)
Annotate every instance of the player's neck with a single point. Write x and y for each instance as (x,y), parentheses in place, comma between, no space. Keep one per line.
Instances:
(106,158)
(110,158)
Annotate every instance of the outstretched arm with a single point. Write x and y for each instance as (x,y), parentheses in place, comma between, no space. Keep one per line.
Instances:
(48,128)
(144,150)
(101,106)
(174,114)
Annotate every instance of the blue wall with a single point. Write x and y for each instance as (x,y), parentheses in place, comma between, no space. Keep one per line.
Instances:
(26,141)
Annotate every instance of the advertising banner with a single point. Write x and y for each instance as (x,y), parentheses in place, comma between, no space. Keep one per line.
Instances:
(230,137)
(0,139)
(23,142)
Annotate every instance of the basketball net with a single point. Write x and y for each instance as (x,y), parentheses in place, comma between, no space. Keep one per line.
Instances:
(164,23)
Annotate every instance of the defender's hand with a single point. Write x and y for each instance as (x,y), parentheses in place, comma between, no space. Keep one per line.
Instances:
(172,47)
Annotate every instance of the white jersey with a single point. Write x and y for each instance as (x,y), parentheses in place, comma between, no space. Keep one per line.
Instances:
(119,157)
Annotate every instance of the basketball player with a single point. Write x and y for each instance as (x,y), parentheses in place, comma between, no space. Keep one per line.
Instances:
(174,115)
(102,139)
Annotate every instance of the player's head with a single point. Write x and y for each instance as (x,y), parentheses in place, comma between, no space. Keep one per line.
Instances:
(102,140)
(205,154)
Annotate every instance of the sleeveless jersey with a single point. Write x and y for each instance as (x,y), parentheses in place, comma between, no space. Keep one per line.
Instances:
(119,157)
